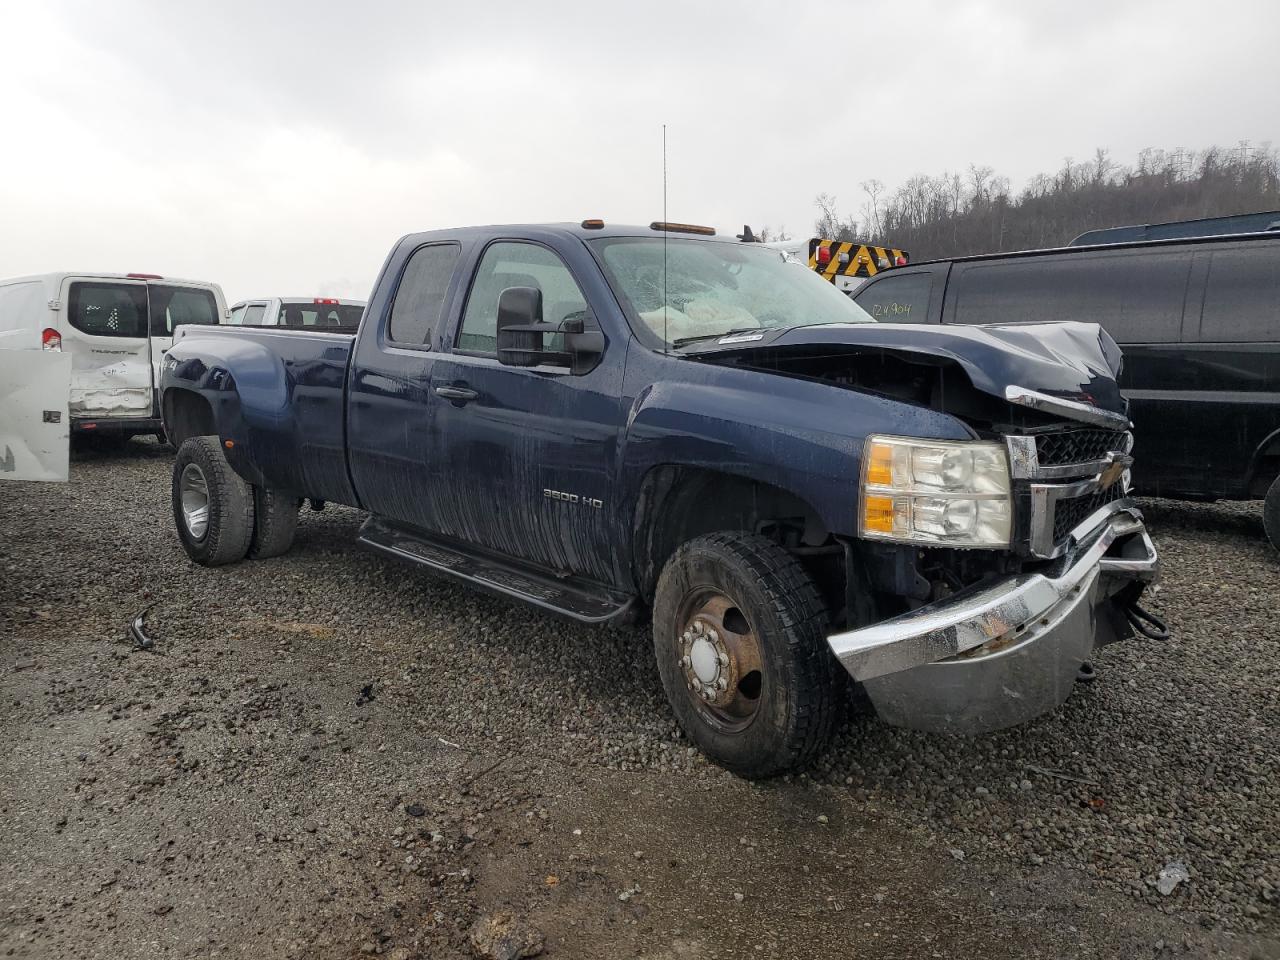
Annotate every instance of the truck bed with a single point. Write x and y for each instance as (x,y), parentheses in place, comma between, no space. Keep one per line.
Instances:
(291,385)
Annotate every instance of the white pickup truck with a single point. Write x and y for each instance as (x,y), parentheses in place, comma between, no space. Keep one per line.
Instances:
(297,312)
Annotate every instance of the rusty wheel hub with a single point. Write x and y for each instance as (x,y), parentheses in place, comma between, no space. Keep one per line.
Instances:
(720,658)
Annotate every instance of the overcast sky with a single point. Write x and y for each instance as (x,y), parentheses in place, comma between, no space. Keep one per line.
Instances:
(281,148)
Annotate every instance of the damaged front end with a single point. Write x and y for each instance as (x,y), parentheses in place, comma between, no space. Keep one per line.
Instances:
(1004,650)
(983,649)
(975,635)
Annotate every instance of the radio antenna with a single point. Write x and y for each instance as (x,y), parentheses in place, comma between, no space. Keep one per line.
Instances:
(666,305)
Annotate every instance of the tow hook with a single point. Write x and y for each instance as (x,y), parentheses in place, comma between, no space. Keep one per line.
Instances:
(1145,622)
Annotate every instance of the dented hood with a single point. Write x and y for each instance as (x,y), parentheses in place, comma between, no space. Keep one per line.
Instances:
(1074,361)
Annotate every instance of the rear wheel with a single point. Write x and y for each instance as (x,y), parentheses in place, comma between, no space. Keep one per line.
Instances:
(212,506)
(739,635)
(1271,514)
(275,518)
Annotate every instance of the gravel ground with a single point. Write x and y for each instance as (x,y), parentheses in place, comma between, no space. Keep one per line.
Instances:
(331,755)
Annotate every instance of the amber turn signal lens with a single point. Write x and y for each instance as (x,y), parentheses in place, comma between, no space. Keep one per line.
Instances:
(880,465)
(877,514)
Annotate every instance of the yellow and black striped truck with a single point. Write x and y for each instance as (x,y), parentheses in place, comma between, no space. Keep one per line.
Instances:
(846,263)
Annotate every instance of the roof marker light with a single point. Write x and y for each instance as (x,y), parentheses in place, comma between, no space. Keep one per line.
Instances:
(325,300)
(50,339)
(682,228)
(592,224)
(824,255)
(144,276)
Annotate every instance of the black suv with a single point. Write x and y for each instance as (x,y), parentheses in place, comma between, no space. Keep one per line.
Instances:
(1198,321)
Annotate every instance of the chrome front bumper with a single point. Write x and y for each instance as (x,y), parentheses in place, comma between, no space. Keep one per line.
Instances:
(999,654)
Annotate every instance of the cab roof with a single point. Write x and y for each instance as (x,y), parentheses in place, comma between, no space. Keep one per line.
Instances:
(571,229)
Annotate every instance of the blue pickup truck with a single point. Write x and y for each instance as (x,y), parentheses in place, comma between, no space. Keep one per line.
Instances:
(620,423)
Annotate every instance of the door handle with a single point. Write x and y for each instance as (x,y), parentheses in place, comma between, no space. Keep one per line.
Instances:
(456,393)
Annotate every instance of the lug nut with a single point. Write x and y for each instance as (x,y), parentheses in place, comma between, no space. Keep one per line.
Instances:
(722,684)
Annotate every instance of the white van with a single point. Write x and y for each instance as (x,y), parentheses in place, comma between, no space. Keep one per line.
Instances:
(116,327)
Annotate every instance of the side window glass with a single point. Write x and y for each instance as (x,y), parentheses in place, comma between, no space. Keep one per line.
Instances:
(109,309)
(253,314)
(510,264)
(897,298)
(1136,297)
(419,302)
(173,306)
(1242,297)
(237,315)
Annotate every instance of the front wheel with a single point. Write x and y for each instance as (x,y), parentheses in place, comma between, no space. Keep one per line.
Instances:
(738,629)
(212,505)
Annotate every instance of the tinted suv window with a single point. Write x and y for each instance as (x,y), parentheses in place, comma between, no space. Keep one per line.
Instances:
(1242,298)
(108,309)
(174,306)
(1137,298)
(509,264)
(897,298)
(419,301)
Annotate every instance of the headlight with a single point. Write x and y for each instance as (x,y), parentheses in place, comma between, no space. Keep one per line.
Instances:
(950,493)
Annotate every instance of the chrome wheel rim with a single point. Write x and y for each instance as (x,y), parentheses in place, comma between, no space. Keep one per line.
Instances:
(720,660)
(193,490)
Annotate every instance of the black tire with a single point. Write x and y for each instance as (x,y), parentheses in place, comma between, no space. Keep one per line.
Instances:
(228,524)
(796,688)
(275,518)
(1271,514)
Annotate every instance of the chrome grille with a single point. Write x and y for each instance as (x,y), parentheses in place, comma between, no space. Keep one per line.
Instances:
(1060,471)
(1086,445)
(1071,512)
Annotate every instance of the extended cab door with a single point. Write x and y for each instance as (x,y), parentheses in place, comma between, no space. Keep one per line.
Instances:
(523,458)
(390,407)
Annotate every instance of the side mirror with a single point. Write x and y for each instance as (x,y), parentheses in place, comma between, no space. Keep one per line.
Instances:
(520,327)
(521,331)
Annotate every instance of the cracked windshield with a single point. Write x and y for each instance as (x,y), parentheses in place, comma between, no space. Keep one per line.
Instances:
(714,289)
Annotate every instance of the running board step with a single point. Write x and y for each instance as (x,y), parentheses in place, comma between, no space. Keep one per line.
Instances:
(570,597)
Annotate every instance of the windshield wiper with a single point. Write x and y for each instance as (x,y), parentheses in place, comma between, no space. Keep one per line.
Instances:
(682,341)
